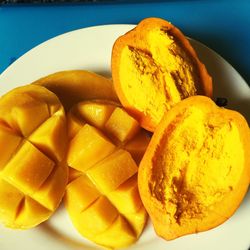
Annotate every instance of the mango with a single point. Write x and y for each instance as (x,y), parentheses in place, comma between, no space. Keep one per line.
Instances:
(33,144)
(102,196)
(88,147)
(121,125)
(73,86)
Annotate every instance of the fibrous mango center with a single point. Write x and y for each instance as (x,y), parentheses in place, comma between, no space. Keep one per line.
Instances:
(197,164)
(161,74)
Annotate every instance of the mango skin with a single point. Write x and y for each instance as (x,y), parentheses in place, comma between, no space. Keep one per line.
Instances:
(102,197)
(33,144)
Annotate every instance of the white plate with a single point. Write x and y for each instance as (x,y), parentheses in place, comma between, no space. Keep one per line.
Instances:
(90,49)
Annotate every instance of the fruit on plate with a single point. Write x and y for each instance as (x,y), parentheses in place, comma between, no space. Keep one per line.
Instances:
(154,67)
(33,145)
(73,86)
(102,197)
(195,171)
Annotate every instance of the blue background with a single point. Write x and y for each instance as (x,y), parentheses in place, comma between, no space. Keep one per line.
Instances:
(222,25)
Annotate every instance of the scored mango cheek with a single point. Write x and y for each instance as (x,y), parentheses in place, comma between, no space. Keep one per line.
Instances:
(102,197)
(33,142)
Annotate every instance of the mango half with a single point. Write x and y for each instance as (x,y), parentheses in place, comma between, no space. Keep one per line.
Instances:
(154,67)
(195,172)
(102,197)
(73,86)
(33,145)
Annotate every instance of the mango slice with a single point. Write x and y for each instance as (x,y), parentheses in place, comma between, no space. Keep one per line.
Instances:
(102,196)
(73,86)
(33,144)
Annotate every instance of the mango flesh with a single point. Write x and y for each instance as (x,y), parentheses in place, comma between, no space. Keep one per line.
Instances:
(195,174)
(33,144)
(73,86)
(122,126)
(154,67)
(87,148)
(102,197)
(154,96)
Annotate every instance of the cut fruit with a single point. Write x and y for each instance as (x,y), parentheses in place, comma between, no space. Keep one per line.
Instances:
(195,171)
(110,173)
(102,196)
(88,147)
(33,144)
(73,86)
(153,68)
(121,125)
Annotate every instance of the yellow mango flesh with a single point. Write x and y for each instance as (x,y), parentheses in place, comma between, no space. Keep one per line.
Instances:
(110,173)
(73,86)
(138,145)
(13,140)
(73,124)
(47,136)
(98,217)
(87,148)
(195,173)
(28,169)
(96,114)
(46,195)
(158,72)
(31,211)
(113,237)
(126,197)
(79,201)
(138,219)
(23,113)
(102,198)
(121,125)
(33,143)
(10,199)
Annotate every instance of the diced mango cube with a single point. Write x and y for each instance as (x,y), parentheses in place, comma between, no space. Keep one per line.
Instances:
(73,124)
(113,238)
(98,217)
(28,169)
(80,193)
(47,136)
(138,145)
(7,137)
(73,174)
(126,197)
(95,113)
(115,169)
(121,125)
(30,213)
(32,108)
(10,198)
(52,190)
(87,148)
(137,220)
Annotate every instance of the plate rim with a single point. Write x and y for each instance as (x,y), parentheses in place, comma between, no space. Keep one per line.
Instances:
(93,27)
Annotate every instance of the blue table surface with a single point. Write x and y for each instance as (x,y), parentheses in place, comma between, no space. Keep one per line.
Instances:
(222,25)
